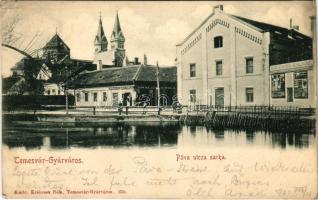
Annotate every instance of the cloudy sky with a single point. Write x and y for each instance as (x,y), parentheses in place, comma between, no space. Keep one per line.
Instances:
(153,28)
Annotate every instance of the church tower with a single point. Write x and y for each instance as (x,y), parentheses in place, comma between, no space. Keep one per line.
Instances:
(117,43)
(100,39)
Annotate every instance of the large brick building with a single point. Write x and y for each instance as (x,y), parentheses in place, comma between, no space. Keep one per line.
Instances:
(226,60)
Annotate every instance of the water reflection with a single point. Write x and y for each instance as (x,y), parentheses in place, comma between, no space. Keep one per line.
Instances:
(59,136)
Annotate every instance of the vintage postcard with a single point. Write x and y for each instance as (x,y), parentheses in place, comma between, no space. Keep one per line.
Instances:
(159,99)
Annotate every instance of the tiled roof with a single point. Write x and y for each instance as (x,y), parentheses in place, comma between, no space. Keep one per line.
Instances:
(125,76)
(272,28)
(166,74)
(110,76)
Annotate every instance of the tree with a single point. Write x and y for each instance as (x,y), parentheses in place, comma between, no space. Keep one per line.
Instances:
(9,39)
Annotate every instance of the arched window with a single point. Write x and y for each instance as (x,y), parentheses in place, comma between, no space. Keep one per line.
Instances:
(218,42)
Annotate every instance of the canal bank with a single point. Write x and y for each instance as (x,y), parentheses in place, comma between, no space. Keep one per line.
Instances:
(54,117)
(251,119)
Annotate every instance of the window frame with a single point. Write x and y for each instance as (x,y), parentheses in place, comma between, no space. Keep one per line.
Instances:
(78,97)
(115,94)
(305,89)
(278,80)
(104,96)
(95,96)
(86,97)
(193,73)
(249,69)
(247,99)
(193,97)
(218,41)
(216,67)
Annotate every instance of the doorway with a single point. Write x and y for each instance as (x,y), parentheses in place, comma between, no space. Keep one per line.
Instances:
(219,97)
(290,93)
(127,99)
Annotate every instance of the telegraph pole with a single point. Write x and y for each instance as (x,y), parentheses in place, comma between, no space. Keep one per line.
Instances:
(66,100)
(65,91)
(158,86)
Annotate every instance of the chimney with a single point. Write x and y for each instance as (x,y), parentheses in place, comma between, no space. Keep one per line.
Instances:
(145,60)
(218,8)
(295,27)
(291,26)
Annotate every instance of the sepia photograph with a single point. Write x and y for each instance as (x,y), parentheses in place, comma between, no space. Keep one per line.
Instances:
(159,99)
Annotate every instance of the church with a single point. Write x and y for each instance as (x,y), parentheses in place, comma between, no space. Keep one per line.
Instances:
(115,55)
(117,80)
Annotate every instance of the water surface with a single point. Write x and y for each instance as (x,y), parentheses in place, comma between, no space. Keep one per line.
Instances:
(37,135)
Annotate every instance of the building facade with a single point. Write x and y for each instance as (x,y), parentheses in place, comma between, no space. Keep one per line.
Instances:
(293,84)
(226,60)
(128,86)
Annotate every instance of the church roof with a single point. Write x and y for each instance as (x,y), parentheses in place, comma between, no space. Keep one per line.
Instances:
(100,37)
(117,32)
(55,41)
(125,76)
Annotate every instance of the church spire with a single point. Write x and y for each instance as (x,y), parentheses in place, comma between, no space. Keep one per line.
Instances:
(117,34)
(117,43)
(100,39)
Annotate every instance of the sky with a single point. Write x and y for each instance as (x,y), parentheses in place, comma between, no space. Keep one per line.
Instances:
(151,28)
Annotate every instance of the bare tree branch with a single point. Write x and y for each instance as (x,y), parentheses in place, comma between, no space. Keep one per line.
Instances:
(8,30)
(18,50)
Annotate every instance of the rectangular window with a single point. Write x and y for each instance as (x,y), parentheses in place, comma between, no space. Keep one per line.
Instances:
(95,96)
(115,99)
(278,85)
(301,85)
(249,94)
(78,97)
(53,91)
(249,65)
(218,68)
(86,96)
(59,92)
(193,95)
(49,92)
(104,96)
(218,42)
(192,70)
